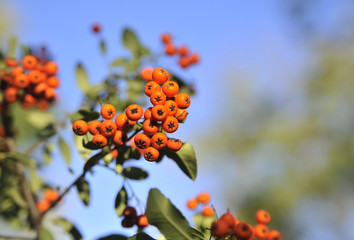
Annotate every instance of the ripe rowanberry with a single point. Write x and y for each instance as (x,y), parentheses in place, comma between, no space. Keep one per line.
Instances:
(158,98)
(159,112)
(183,100)
(122,121)
(242,230)
(28,101)
(170,124)
(274,235)
(29,62)
(134,112)
(53,81)
(174,144)
(80,127)
(181,114)
(261,231)
(203,197)
(120,137)
(99,140)
(43,205)
(170,88)
(263,217)
(150,127)
(159,140)
(151,87)
(151,154)
(219,229)
(184,61)
(160,75)
(94,127)
(166,38)
(192,203)
(171,107)
(183,50)
(208,211)
(51,68)
(142,221)
(228,218)
(11,94)
(51,195)
(108,111)
(170,49)
(147,113)
(21,81)
(146,73)
(142,141)
(108,128)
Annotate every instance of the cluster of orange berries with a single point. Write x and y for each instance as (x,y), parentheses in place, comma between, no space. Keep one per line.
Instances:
(131,218)
(228,225)
(186,58)
(203,199)
(33,83)
(44,204)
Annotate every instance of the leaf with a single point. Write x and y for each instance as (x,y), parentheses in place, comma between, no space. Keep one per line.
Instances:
(65,150)
(140,236)
(118,62)
(86,115)
(121,201)
(83,189)
(46,235)
(135,173)
(47,153)
(93,160)
(11,51)
(82,78)
(103,47)
(113,237)
(131,41)
(39,119)
(185,159)
(35,181)
(69,228)
(197,234)
(79,143)
(16,197)
(166,217)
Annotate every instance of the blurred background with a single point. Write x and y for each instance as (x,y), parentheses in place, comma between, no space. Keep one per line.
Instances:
(272,121)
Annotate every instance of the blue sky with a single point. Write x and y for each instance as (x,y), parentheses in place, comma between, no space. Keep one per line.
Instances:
(243,39)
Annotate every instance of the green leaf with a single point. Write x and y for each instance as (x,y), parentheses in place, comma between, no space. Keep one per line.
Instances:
(79,143)
(185,159)
(197,234)
(65,150)
(22,158)
(121,201)
(11,51)
(140,236)
(35,181)
(131,41)
(83,189)
(118,62)
(47,153)
(103,47)
(26,50)
(86,115)
(135,173)
(113,237)
(93,160)
(82,78)
(46,235)
(69,228)
(16,197)
(166,217)
(40,119)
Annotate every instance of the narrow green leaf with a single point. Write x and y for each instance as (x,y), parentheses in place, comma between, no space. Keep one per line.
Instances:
(86,115)
(113,237)
(103,47)
(83,189)
(11,51)
(185,159)
(82,78)
(118,62)
(121,201)
(46,235)
(166,217)
(16,197)
(131,41)
(93,160)
(140,236)
(65,150)
(197,234)
(135,173)
(69,228)
(47,153)
(35,181)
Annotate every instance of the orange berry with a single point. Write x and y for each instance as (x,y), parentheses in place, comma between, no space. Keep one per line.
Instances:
(181,114)
(43,205)
(219,229)
(40,87)
(108,128)
(183,100)
(170,49)
(242,230)
(183,50)
(17,71)
(108,111)
(194,58)
(192,203)
(114,153)
(151,154)
(158,140)
(122,121)
(158,98)
(171,107)
(170,124)
(146,73)
(120,137)
(51,195)
(94,127)
(151,87)
(174,144)
(203,197)
(21,81)
(53,82)
(228,218)
(160,75)
(274,235)
(51,68)
(80,127)
(36,76)
(184,62)
(142,221)
(142,141)
(29,62)
(150,127)
(49,93)
(170,88)
(166,38)
(99,140)
(261,231)
(263,217)
(134,112)
(43,104)
(147,113)
(208,211)
(28,101)
(11,95)
(159,112)
(96,28)
(11,62)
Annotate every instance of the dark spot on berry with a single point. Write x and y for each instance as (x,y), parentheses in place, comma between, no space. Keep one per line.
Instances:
(134,111)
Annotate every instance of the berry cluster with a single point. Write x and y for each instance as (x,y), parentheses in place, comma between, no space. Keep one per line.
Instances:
(131,218)
(33,83)
(203,199)
(186,58)
(170,109)
(227,225)
(44,204)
